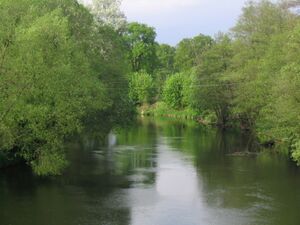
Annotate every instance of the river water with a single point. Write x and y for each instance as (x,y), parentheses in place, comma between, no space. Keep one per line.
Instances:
(161,172)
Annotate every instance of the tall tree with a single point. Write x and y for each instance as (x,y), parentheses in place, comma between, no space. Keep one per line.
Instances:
(140,40)
(165,64)
(188,51)
(257,25)
(109,13)
(212,91)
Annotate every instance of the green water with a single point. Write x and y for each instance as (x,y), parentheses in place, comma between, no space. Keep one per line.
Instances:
(159,172)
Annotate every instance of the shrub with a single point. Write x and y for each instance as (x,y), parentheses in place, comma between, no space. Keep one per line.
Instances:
(176,91)
(141,88)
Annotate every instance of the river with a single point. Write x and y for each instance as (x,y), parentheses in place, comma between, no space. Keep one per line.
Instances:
(157,172)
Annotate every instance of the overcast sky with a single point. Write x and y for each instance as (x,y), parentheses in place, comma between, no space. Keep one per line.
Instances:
(177,19)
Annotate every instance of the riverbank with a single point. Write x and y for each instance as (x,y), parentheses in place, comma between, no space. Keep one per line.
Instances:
(160,109)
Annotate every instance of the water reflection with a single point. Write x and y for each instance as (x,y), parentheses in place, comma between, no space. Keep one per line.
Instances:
(161,172)
(175,191)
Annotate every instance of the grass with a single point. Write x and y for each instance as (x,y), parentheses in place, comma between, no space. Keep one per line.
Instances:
(160,109)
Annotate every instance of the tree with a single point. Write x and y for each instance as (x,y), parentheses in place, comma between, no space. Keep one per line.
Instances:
(259,23)
(277,118)
(212,91)
(165,64)
(140,40)
(142,89)
(165,56)
(188,51)
(176,90)
(108,12)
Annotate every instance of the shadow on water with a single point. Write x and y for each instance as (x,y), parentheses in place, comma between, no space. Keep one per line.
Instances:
(162,172)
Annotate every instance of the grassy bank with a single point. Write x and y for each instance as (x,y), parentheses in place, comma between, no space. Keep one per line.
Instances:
(160,109)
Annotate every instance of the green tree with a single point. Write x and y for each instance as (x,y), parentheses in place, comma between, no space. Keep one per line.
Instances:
(52,77)
(212,91)
(165,64)
(108,12)
(176,90)
(142,89)
(140,40)
(277,118)
(165,56)
(188,51)
(259,23)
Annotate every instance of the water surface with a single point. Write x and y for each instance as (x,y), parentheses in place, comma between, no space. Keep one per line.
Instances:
(161,172)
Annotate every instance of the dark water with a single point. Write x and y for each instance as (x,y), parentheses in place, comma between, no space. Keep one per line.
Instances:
(157,173)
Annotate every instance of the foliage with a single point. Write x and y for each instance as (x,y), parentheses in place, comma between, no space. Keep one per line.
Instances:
(62,64)
(165,64)
(108,12)
(296,152)
(211,91)
(249,76)
(175,90)
(188,51)
(265,67)
(258,74)
(165,55)
(52,76)
(140,41)
(162,109)
(142,89)
(259,23)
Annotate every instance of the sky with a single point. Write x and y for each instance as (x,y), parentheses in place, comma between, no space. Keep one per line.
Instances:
(174,20)
(178,19)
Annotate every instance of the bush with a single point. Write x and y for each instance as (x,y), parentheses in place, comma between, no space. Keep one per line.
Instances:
(176,91)
(141,88)
(296,152)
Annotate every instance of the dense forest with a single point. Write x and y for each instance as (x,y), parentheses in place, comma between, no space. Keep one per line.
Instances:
(63,63)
